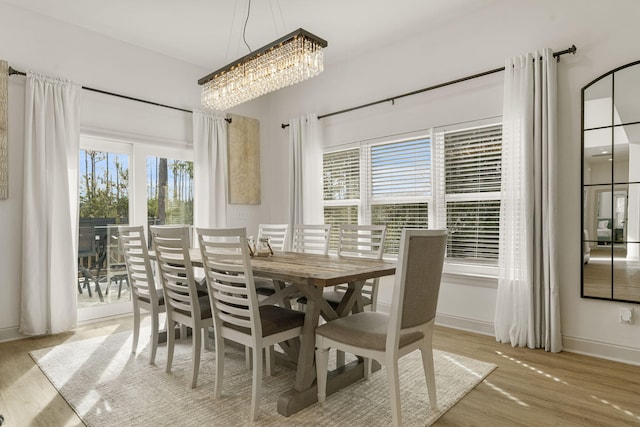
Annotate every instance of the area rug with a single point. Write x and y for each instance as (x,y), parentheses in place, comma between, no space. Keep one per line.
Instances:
(107,385)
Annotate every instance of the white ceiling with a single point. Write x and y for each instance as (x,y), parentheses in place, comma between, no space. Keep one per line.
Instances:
(208,33)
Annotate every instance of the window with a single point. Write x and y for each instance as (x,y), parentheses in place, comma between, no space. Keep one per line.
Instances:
(472,160)
(341,188)
(447,178)
(400,187)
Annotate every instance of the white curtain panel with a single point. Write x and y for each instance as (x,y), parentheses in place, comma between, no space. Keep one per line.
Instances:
(50,206)
(528,301)
(305,170)
(209,169)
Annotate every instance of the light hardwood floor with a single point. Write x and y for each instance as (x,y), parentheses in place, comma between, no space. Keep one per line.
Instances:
(529,388)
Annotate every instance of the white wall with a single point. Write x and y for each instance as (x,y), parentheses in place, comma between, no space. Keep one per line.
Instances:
(479,41)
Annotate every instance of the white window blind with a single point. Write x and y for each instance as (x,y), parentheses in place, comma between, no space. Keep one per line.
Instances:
(396,217)
(472,161)
(341,175)
(400,185)
(401,169)
(341,190)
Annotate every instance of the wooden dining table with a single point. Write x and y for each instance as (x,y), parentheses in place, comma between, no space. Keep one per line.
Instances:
(296,273)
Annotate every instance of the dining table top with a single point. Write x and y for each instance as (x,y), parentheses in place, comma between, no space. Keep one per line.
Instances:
(313,269)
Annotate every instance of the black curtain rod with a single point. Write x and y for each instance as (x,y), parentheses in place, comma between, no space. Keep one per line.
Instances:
(556,55)
(13,71)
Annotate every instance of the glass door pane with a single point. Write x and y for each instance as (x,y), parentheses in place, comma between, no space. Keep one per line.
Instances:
(104,204)
(169,191)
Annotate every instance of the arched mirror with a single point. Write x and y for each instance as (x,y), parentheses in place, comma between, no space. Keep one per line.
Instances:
(611,185)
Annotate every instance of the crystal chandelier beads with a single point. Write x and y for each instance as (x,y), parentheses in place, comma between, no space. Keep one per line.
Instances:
(293,58)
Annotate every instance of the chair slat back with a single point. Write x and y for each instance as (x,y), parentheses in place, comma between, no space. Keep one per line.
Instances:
(363,241)
(229,277)
(418,277)
(277,234)
(311,238)
(137,263)
(176,271)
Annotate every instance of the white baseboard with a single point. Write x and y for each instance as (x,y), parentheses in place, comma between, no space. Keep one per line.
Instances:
(10,334)
(602,350)
(599,349)
(465,324)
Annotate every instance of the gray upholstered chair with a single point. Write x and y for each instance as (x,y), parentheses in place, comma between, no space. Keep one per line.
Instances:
(408,327)
(234,303)
(144,293)
(185,304)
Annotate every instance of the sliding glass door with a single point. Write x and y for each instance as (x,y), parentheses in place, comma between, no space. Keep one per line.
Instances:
(123,183)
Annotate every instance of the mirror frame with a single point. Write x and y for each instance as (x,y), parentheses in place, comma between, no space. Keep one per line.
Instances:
(613,184)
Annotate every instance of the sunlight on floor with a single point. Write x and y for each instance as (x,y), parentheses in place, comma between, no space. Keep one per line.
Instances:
(455,362)
(532,368)
(117,366)
(616,407)
(493,386)
(505,393)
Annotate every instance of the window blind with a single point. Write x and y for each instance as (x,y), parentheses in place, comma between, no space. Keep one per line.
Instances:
(341,175)
(472,162)
(401,169)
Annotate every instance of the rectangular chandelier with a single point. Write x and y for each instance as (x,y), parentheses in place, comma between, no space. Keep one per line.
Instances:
(291,59)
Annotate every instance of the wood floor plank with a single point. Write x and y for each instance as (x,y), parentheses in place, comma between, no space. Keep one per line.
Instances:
(530,387)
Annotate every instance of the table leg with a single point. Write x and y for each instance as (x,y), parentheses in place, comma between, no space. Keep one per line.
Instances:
(306,373)
(304,393)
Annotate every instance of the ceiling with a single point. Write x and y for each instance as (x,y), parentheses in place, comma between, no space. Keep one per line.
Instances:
(208,33)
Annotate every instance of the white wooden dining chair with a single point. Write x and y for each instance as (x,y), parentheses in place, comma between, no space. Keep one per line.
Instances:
(278,239)
(144,293)
(360,241)
(234,303)
(278,235)
(408,327)
(357,241)
(185,304)
(311,238)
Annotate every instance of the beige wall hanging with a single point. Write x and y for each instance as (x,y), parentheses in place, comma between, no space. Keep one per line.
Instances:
(243,148)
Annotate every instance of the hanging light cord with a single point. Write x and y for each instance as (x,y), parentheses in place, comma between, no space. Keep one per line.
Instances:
(244,30)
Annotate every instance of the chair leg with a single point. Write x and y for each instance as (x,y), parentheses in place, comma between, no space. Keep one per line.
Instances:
(269,360)
(257,384)
(136,328)
(217,391)
(247,356)
(171,340)
(322,364)
(394,391)
(155,330)
(196,347)
(205,337)
(339,358)
(430,375)
(367,368)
